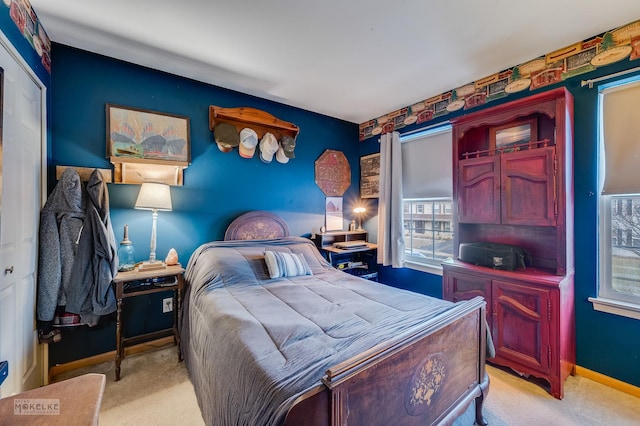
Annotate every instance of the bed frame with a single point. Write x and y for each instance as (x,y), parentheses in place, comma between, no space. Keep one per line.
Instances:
(429,375)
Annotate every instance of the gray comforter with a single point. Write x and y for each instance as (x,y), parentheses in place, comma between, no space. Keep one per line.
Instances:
(253,344)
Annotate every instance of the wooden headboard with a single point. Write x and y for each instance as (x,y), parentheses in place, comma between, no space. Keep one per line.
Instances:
(257,225)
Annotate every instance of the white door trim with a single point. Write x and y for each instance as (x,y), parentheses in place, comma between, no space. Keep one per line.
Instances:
(42,356)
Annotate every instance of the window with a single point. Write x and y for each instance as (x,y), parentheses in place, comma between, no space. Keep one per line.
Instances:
(428,230)
(619,121)
(427,189)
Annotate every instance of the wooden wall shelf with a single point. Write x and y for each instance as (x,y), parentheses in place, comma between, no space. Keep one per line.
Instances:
(84,172)
(140,170)
(258,120)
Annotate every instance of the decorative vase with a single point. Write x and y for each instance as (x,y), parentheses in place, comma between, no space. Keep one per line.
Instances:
(126,253)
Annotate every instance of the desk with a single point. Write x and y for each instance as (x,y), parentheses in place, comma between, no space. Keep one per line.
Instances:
(123,278)
(360,261)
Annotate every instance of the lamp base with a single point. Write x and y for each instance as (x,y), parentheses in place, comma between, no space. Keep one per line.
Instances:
(150,266)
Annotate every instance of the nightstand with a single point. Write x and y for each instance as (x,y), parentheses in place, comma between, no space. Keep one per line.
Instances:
(359,261)
(135,283)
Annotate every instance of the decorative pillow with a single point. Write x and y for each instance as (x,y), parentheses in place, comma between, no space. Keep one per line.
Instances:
(281,264)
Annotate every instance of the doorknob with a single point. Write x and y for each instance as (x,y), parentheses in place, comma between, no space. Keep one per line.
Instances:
(8,270)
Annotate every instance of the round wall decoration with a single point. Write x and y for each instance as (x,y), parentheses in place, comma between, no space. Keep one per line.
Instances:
(333,173)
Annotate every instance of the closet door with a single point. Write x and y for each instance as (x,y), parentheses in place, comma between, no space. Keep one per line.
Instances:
(20,201)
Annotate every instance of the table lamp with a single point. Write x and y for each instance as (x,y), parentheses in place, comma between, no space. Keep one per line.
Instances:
(359,211)
(154,197)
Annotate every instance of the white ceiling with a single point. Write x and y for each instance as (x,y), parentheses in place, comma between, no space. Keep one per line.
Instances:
(354,60)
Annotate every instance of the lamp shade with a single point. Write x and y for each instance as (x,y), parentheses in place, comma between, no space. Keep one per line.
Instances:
(154,196)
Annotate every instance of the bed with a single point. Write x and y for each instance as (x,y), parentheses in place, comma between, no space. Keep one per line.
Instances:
(317,346)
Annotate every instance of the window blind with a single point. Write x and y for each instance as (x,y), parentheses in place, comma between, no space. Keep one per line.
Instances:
(427,164)
(620,109)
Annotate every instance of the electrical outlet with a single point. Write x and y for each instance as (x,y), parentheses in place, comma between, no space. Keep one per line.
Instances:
(167,305)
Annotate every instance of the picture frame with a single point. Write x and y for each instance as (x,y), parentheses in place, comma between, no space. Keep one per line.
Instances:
(147,135)
(370,176)
(333,213)
(511,136)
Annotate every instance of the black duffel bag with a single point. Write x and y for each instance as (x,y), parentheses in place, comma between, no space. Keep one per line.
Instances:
(495,255)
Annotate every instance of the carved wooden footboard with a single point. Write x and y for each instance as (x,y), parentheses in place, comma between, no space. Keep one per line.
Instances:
(428,375)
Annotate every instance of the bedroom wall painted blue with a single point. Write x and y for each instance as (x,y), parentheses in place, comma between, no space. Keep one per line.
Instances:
(411,279)
(217,186)
(605,343)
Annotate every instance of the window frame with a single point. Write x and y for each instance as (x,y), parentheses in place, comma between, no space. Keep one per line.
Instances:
(608,299)
(432,266)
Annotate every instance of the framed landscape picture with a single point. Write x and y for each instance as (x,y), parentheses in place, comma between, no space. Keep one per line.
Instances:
(145,134)
(511,136)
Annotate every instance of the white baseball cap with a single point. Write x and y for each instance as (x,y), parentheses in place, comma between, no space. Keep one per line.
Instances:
(248,142)
(268,147)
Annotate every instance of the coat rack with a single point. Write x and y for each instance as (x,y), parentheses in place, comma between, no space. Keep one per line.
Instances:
(258,120)
(84,172)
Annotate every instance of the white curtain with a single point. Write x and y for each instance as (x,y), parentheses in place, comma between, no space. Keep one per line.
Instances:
(390,226)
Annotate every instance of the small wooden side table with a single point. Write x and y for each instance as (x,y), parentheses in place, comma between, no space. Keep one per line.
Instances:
(120,281)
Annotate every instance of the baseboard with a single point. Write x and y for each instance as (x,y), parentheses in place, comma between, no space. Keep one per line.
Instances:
(108,356)
(608,381)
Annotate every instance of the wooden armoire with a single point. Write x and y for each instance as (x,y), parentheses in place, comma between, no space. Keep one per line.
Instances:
(513,184)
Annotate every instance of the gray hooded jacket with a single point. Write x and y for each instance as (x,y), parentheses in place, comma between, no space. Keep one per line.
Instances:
(78,252)
(90,292)
(61,221)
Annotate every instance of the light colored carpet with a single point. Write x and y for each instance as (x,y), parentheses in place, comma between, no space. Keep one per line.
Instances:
(154,389)
(518,402)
